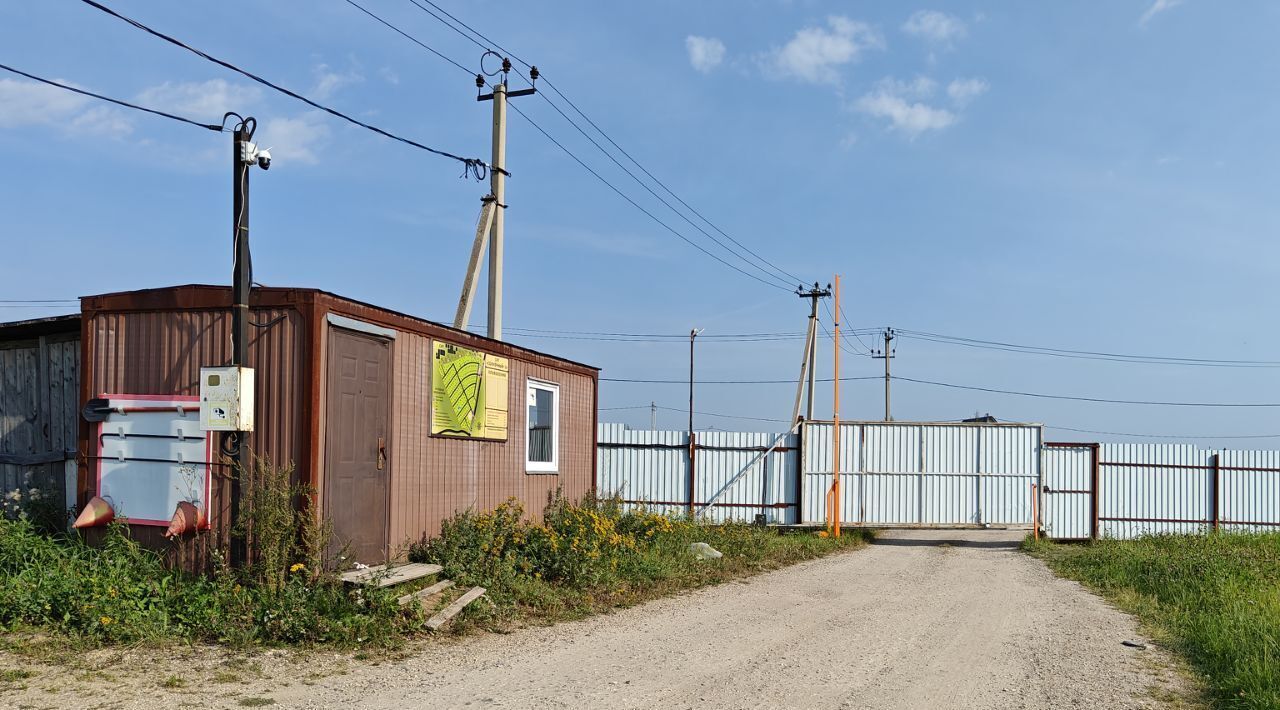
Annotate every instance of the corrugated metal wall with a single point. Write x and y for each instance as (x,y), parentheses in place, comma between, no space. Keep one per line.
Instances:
(434,477)
(1068,491)
(161,352)
(900,473)
(39,413)
(893,474)
(740,474)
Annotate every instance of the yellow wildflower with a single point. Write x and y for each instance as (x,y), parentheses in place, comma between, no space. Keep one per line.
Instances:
(105,620)
(297,567)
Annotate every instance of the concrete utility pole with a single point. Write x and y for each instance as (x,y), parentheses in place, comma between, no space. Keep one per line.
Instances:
(492,216)
(886,355)
(653,416)
(810,349)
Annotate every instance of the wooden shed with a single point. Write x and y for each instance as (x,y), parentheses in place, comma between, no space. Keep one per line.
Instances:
(396,422)
(39,410)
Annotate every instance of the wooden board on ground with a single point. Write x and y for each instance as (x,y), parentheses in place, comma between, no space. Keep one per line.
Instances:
(442,617)
(425,594)
(390,575)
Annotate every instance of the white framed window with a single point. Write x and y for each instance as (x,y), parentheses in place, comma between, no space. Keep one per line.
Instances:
(542,431)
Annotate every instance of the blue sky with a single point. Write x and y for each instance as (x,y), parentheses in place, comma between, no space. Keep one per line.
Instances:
(1095,176)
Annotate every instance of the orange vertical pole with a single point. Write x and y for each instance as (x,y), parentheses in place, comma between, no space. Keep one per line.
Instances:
(1035,512)
(835,436)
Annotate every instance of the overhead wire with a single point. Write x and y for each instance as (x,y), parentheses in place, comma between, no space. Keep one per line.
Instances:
(472,166)
(67,87)
(1103,400)
(1083,354)
(785,278)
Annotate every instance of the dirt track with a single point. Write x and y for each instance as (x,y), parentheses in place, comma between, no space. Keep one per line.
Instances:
(918,620)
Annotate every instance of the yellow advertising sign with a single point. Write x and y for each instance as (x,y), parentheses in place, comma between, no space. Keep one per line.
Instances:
(468,392)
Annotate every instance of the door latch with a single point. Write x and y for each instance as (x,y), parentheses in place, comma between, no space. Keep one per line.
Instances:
(382,453)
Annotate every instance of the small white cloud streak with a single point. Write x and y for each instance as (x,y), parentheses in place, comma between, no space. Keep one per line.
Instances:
(903,104)
(201,101)
(705,53)
(1157,7)
(934,26)
(328,82)
(294,140)
(815,53)
(962,91)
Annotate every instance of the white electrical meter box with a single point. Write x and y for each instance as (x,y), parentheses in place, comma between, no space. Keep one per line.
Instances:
(226,398)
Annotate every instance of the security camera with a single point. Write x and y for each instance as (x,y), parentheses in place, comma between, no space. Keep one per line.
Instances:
(250,154)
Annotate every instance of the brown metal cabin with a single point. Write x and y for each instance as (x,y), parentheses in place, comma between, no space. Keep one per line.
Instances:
(344,391)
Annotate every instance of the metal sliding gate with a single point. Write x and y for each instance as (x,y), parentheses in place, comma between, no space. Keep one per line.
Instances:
(924,474)
(892,473)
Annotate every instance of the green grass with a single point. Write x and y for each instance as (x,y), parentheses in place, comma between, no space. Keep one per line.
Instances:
(1213,598)
(59,594)
(589,557)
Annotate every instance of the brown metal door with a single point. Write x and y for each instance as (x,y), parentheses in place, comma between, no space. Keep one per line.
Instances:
(356,465)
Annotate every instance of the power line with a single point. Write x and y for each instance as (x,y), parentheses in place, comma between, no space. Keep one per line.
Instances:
(472,166)
(207,126)
(409,37)
(704,414)
(1040,395)
(785,277)
(1083,354)
(637,205)
(1164,436)
(730,382)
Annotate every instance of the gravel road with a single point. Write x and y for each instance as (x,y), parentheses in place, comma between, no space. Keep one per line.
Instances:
(920,619)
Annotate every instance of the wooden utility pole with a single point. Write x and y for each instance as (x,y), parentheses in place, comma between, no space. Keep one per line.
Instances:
(886,355)
(810,350)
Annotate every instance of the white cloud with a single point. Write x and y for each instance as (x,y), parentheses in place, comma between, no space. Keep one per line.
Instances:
(815,53)
(389,75)
(27,103)
(902,103)
(201,101)
(934,26)
(101,120)
(328,82)
(1157,7)
(295,140)
(962,91)
(705,53)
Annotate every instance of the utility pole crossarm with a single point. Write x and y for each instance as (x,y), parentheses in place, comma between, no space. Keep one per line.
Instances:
(810,349)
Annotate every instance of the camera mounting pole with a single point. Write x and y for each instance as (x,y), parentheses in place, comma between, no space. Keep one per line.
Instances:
(243,158)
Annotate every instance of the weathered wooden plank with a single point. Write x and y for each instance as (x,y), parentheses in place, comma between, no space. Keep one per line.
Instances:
(425,594)
(34,459)
(392,575)
(44,423)
(442,617)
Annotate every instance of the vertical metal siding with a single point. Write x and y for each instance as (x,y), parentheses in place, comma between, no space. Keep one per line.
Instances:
(1249,499)
(1067,515)
(432,478)
(1153,488)
(161,352)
